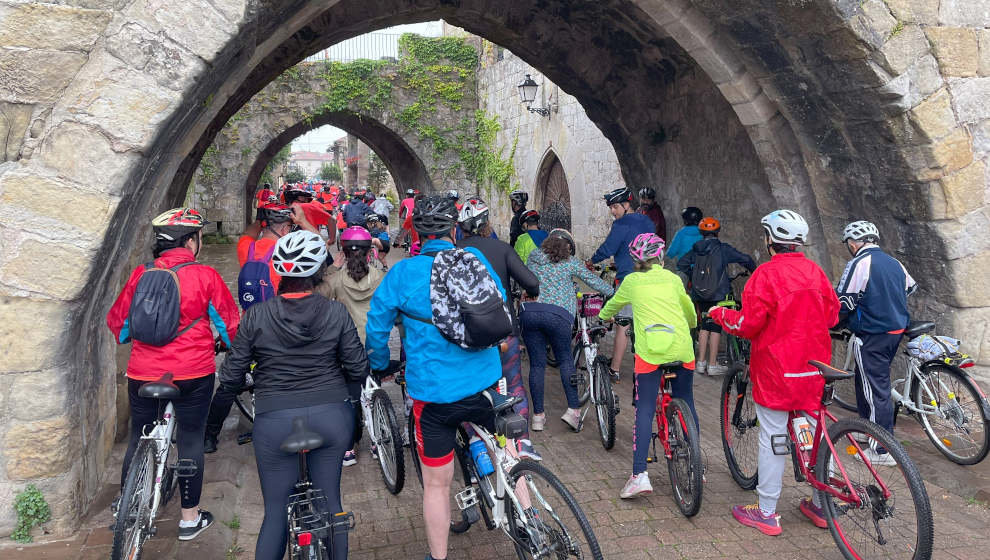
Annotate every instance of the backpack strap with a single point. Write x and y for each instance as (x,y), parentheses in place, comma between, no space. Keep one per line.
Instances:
(250,255)
(174,271)
(268,255)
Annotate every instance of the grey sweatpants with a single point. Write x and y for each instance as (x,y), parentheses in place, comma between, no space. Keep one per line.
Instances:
(771,467)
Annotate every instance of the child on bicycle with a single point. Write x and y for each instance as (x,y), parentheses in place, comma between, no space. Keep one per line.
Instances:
(787,308)
(663,317)
(378,227)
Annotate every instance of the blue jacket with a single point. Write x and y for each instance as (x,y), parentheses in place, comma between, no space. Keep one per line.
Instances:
(437,370)
(684,239)
(616,245)
(729,255)
(356,213)
(873,292)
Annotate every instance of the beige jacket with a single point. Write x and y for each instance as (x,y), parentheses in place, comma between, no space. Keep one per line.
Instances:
(355,295)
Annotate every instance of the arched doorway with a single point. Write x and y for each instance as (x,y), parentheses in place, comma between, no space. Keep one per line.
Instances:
(553,198)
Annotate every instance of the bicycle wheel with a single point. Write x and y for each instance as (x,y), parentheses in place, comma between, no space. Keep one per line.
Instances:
(740,428)
(684,464)
(958,426)
(412,449)
(580,373)
(555,526)
(245,402)
(130,529)
(388,442)
(605,405)
(483,484)
(552,360)
(896,525)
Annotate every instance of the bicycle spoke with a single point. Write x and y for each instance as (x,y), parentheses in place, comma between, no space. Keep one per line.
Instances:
(553,526)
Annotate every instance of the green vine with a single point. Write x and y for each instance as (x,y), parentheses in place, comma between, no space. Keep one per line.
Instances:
(484,162)
(210,164)
(32,510)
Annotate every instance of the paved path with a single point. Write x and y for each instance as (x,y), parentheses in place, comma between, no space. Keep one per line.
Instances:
(390,527)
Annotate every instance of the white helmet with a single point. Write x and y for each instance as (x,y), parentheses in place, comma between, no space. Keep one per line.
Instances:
(299,254)
(785,227)
(473,215)
(860,230)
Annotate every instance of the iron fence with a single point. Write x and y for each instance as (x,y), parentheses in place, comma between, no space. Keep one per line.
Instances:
(372,46)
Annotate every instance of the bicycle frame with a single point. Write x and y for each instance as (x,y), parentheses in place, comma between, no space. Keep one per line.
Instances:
(369,388)
(161,435)
(590,350)
(663,426)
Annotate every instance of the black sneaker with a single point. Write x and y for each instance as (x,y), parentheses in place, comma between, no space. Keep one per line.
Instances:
(190,533)
(209,444)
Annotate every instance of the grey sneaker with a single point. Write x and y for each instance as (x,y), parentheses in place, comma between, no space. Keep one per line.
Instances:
(572,419)
(190,533)
(538,422)
(716,369)
(701,367)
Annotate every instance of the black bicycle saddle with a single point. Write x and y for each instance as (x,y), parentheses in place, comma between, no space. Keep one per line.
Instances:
(163,388)
(301,439)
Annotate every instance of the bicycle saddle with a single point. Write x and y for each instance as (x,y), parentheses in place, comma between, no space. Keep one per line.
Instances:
(670,365)
(501,403)
(830,373)
(163,388)
(918,328)
(301,439)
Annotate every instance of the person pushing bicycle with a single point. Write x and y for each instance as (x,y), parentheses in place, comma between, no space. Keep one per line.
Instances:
(788,305)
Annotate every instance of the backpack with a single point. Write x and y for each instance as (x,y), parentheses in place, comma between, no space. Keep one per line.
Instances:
(468,308)
(355,214)
(706,277)
(254,282)
(154,314)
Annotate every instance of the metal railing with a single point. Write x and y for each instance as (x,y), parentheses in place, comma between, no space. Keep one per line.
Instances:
(372,46)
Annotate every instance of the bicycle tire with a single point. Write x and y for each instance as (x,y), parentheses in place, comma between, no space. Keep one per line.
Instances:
(484,483)
(965,405)
(839,514)
(552,360)
(388,441)
(582,386)
(411,425)
(740,438)
(532,470)
(245,403)
(685,443)
(605,405)
(138,485)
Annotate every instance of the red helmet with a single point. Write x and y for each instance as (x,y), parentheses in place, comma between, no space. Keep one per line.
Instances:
(175,223)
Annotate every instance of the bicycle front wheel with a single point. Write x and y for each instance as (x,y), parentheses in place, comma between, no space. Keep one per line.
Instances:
(958,425)
(605,405)
(130,529)
(245,403)
(413,448)
(554,525)
(581,372)
(388,442)
(740,428)
(891,523)
(684,463)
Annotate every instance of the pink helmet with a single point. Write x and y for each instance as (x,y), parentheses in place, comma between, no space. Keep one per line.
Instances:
(646,246)
(355,237)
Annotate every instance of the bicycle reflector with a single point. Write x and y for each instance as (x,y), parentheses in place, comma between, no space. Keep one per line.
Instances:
(305,539)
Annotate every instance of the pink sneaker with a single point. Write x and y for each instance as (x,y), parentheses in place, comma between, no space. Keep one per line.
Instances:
(751,516)
(813,513)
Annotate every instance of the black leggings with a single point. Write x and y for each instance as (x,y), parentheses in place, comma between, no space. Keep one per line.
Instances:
(190,411)
(279,471)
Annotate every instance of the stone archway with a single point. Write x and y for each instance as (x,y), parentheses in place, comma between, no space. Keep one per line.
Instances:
(553,198)
(855,109)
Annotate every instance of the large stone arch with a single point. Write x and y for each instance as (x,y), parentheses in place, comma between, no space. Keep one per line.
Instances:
(856,109)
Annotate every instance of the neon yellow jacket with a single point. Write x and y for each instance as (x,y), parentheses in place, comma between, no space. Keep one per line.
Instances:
(663,315)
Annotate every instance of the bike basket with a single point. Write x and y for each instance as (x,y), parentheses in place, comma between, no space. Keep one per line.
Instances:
(591,305)
(927,347)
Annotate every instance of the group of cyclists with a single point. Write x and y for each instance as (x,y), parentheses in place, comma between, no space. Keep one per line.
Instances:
(310,332)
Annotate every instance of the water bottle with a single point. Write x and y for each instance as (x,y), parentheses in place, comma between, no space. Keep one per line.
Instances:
(480,455)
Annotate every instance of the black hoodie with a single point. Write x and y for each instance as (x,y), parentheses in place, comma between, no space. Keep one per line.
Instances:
(307,351)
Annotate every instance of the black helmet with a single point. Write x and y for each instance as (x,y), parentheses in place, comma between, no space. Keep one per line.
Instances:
(617,196)
(267,186)
(519,197)
(691,215)
(647,192)
(434,215)
(529,217)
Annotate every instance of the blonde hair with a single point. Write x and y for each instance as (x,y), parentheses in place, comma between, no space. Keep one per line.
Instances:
(643,266)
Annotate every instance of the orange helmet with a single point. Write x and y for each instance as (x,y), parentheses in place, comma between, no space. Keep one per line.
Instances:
(709,225)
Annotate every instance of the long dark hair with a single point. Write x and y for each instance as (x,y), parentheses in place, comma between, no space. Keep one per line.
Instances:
(356,262)
(293,284)
(162,245)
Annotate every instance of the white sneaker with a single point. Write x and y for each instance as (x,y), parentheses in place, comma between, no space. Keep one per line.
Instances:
(538,422)
(878,459)
(572,418)
(637,485)
(716,369)
(701,367)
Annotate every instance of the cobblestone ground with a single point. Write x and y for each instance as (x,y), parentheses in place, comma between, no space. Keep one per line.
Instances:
(390,527)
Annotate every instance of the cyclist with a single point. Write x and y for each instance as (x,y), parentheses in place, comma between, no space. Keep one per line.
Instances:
(264,194)
(405,211)
(687,236)
(378,227)
(189,356)
(307,352)
(627,225)
(473,221)
(706,264)
(551,317)
(444,380)
(456,197)
(873,293)
(382,205)
(298,193)
(648,206)
(788,306)
(532,237)
(663,316)
(517,200)
(356,212)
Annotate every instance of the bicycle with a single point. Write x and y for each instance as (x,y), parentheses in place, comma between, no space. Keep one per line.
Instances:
(736,348)
(681,442)
(312,527)
(597,387)
(868,514)
(950,406)
(151,479)
(526,513)
(383,429)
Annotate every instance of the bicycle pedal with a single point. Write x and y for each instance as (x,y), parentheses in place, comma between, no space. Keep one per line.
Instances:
(466,498)
(185,468)
(780,444)
(153,530)
(343,521)
(245,438)
(471,515)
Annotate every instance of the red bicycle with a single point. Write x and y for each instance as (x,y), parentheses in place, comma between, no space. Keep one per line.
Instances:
(678,436)
(873,510)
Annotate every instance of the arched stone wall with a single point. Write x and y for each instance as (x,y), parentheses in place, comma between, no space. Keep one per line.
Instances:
(855,108)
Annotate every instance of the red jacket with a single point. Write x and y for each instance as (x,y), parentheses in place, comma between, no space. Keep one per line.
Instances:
(203,295)
(656,215)
(787,308)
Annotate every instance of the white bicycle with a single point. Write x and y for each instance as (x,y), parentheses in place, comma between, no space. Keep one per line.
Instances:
(383,429)
(593,379)
(522,498)
(152,477)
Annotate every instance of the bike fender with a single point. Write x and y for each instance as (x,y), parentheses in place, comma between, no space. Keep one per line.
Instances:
(984,404)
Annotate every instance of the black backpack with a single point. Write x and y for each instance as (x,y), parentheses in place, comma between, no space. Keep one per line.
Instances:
(154,313)
(706,277)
